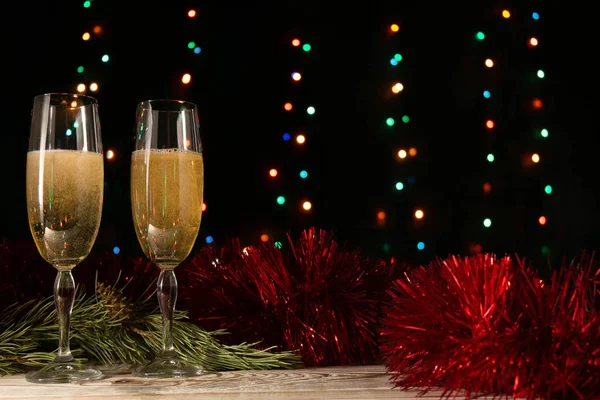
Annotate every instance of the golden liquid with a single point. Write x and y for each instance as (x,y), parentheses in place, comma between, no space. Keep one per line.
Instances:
(64,203)
(167,187)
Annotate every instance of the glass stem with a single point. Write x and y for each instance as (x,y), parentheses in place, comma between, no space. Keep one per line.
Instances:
(167,297)
(64,297)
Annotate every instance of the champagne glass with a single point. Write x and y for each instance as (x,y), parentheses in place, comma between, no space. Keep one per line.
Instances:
(65,185)
(167,186)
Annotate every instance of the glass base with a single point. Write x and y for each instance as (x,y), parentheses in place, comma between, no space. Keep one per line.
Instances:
(63,373)
(167,366)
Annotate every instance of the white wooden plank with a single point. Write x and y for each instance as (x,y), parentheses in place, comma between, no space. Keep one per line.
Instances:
(353,383)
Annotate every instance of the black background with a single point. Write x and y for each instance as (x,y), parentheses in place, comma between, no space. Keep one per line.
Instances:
(242,78)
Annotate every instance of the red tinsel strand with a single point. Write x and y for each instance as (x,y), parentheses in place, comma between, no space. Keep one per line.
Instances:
(481,325)
(319,299)
(219,291)
(335,318)
(25,274)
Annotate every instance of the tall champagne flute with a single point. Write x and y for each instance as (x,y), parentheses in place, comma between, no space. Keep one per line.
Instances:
(65,185)
(167,186)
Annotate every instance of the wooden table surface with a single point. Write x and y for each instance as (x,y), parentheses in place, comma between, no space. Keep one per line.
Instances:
(365,382)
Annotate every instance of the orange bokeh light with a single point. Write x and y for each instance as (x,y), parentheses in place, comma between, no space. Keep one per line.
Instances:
(397,88)
(295,42)
(203,207)
(97,29)
(537,104)
(475,248)
(489,123)
(381,215)
(264,237)
(273,172)
(288,106)
(394,28)
(306,205)
(86,36)
(186,78)
(192,13)
(487,187)
(542,220)
(489,63)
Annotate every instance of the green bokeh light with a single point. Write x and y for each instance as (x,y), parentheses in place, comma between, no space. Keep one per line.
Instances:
(390,122)
(545,250)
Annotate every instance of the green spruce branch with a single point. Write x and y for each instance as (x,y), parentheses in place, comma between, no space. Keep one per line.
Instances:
(111,329)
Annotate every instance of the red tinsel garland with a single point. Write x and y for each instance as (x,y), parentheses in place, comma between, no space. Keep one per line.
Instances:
(319,299)
(25,275)
(482,325)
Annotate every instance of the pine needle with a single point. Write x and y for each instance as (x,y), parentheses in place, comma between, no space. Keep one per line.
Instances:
(111,329)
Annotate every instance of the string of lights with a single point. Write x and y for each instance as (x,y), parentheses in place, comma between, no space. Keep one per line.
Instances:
(85,81)
(87,75)
(540,131)
(297,134)
(407,152)
(490,126)
(186,79)
(497,124)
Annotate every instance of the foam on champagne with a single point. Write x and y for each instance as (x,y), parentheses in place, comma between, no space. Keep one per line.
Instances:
(167,187)
(64,203)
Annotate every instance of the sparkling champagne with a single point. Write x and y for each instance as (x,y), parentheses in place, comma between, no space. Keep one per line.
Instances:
(64,203)
(167,187)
